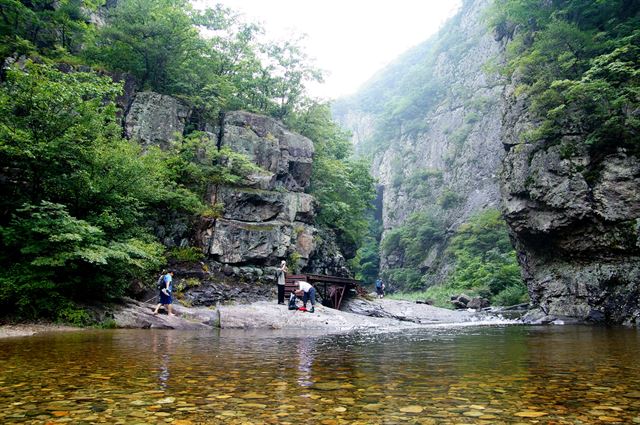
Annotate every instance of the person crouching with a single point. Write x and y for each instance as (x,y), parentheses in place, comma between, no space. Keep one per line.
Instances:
(308,294)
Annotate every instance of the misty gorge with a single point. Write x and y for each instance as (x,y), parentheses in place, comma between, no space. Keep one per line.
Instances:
(418,213)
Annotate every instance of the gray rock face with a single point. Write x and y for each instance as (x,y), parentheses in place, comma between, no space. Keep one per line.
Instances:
(254,205)
(287,156)
(407,311)
(326,257)
(575,220)
(268,220)
(455,153)
(155,119)
(215,292)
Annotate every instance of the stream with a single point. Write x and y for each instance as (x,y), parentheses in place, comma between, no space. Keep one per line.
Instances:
(501,374)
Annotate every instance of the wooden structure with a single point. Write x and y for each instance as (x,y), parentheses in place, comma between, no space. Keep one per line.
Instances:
(330,288)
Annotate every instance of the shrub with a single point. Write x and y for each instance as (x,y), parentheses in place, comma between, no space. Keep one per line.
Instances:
(414,238)
(511,295)
(449,199)
(294,262)
(186,254)
(74,316)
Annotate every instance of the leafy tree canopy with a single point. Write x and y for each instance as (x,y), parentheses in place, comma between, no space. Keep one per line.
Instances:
(578,62)
(78,201)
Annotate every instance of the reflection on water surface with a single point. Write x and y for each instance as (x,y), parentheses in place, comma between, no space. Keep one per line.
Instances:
(480,375)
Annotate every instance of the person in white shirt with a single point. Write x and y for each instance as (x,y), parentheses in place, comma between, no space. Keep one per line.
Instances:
(281,274)
(308,293)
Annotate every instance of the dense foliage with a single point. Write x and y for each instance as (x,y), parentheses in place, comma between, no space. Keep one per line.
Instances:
(579,65)
(78,202)
(342,185)
(366,263)
(55,28)
(75,195)
(485,264)
(160,42)
(486,261)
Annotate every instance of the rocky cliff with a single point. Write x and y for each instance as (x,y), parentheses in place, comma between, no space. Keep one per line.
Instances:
(575,218)
(267,219)
(573,211)
(441,154)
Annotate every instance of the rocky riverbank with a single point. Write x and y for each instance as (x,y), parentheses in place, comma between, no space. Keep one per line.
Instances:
(29,329)
(357,314)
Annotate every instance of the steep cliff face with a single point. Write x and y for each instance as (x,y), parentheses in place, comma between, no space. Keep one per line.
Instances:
(575,218)
(155,119)
(570,181)
(441,154)
(266,220)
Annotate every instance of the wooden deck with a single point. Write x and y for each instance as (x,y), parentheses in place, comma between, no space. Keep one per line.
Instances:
(330,289)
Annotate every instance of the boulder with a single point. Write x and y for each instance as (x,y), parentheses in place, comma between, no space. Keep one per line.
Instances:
(478,303)
(285,155)
(459,304)
(156,119)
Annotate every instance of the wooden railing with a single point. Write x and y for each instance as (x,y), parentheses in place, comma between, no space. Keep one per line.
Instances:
(331,289)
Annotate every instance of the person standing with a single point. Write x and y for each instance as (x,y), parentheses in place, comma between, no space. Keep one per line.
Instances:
(165,294)
(281,274)
(379,288)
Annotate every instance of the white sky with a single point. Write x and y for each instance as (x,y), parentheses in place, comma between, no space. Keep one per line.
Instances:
(350,39)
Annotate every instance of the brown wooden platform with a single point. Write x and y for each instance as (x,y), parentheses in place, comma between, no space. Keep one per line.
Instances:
(330,288)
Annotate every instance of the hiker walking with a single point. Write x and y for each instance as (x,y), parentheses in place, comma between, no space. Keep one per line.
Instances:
(165,285)
(280,274)
(379,288)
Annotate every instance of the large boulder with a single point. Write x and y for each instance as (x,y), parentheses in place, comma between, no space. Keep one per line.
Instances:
(254,205)
(285,155)
(156,119)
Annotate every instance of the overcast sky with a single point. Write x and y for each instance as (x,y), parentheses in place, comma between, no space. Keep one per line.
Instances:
(350,39)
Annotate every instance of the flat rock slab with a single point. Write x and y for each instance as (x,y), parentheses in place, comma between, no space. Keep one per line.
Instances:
(361,315)
(29,329)
(270,315)
(136,314)
(409,311)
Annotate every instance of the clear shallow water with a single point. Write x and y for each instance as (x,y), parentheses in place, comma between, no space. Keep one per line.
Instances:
(472,375)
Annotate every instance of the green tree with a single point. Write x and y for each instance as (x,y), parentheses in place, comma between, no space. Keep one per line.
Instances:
(152,39)
(77,198)
(578,63)
(485,259)
(343,186)
(413,240)
(52,27)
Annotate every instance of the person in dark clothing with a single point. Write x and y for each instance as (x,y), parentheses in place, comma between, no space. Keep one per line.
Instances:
(165,294)
(379,288)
